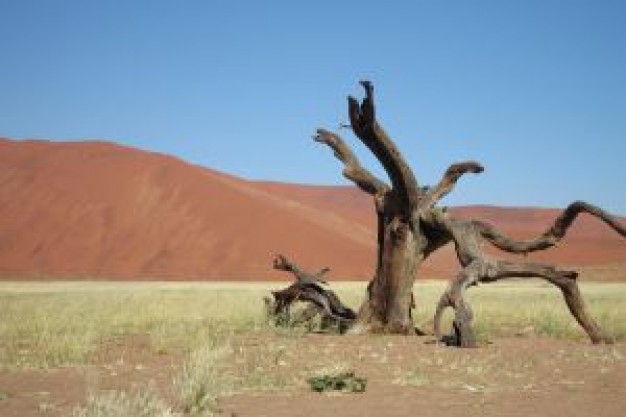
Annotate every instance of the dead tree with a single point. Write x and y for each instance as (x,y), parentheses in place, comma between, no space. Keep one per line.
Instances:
(307,288)
(411,227)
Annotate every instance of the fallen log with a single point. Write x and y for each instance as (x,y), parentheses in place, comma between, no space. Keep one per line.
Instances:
(307,288)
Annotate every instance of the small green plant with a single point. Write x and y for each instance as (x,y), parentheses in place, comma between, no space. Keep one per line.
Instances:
(344,381)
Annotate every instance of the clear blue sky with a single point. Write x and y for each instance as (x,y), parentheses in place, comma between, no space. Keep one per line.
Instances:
(535,90)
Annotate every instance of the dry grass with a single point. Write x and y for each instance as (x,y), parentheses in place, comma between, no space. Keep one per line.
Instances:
(215,326)
(204,379)
(119,403)
(59,324)
(49,325)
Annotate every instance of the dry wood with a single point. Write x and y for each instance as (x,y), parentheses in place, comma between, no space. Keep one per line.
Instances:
(411,227)
(307,288)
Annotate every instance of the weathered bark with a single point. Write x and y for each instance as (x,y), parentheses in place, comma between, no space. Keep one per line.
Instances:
(400,241)
(411,227)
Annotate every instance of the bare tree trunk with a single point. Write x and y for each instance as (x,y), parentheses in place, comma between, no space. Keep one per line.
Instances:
(387,308)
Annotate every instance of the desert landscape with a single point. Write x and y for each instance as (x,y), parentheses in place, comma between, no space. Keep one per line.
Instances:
(312,209)
(83,224)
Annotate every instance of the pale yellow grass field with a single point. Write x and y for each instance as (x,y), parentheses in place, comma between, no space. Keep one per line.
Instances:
(207,324)
(60,323)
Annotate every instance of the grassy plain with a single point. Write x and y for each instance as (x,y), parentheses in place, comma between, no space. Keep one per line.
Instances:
(59,324)
(212,327)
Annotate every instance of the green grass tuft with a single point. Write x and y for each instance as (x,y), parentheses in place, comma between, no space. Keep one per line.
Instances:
(344,382)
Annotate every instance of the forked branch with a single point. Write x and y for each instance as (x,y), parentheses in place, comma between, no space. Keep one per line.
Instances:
(368,130)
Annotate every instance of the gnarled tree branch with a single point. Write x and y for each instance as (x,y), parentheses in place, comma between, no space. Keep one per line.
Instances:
(366,128)
(352,170)
(446,184)
(281,263)
(306,288)
(478,268)
(481,270)
(554,233)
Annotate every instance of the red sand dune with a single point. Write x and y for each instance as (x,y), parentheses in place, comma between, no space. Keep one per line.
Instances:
(95,210)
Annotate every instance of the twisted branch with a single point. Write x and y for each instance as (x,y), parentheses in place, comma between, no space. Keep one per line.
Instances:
(481,270)
(352,170)
(281,263)
(306,288)
(446,184)
(477,268)
(554,233)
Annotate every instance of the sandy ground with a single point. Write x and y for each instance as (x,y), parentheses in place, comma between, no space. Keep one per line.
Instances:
(406,376)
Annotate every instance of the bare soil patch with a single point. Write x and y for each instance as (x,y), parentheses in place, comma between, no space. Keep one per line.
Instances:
(118,364)
(406,375)
(512,377)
